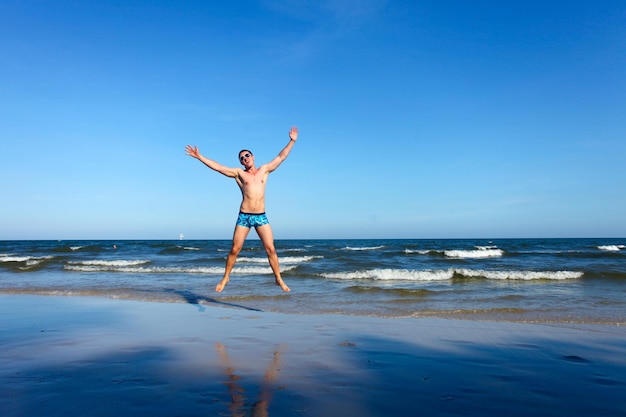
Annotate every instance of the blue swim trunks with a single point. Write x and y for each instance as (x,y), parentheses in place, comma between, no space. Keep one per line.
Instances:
(251,220)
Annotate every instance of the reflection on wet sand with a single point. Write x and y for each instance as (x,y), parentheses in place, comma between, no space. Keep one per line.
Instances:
(238,404)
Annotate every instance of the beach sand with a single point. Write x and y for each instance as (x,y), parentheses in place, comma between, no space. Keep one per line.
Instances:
(76,356)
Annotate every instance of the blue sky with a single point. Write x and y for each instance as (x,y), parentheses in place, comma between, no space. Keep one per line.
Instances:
(418,119)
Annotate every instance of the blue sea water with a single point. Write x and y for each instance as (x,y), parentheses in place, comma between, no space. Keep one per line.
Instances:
(525,280)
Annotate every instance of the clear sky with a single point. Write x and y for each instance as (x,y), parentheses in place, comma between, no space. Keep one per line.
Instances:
(418,119)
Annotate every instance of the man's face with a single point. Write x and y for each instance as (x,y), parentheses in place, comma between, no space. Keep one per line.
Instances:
(246,158)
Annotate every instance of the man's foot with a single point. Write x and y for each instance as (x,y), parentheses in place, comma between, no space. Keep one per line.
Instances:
(281,284)
(221,284)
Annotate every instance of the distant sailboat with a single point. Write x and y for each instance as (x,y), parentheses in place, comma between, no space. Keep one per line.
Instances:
(180,236)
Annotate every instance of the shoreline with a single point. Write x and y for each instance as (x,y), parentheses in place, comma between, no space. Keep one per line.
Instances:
(85,355)
(523,281)
(237,302)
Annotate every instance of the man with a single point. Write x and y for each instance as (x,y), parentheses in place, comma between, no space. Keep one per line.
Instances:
(252,182)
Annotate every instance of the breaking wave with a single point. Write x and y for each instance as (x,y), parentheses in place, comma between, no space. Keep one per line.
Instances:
(479,253)
(611,248)
(418,251)
(282,260)
(25,262)
(112,263)
(363,248)
(448,274)
(111,266)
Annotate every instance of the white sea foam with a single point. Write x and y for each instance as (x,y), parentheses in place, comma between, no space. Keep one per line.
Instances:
(256,270)
(521,275)
(611,248)
(141,270)
(12,258)
(393,275)
(442,275)
(34,261)
(363,248)
(111,263)
(29,260)
(282,260)
(136,269)
(75,248)
(479,253)
(421,251)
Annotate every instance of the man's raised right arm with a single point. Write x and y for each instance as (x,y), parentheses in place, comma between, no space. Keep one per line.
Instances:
(215,166)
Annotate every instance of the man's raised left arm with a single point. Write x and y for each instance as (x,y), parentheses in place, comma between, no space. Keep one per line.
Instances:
(275,163)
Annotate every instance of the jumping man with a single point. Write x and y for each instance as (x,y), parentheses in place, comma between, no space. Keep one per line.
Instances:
(252,182)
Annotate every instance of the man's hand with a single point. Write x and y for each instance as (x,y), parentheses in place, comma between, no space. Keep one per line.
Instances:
(293,133)
(193,150)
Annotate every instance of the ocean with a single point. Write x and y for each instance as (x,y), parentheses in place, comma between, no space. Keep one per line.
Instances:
(521,280)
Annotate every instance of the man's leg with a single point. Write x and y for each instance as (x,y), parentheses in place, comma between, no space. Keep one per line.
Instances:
(267,237)
(239,237)
(237,393)
(261,407)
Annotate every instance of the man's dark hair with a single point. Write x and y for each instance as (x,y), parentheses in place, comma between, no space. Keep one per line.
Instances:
(245,150)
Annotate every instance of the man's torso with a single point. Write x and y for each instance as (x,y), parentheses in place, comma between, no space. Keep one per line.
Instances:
(252,185)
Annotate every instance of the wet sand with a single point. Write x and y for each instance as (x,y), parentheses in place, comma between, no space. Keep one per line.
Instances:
(76,356)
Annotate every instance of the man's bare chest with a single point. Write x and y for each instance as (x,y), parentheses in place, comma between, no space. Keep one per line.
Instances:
(256,180)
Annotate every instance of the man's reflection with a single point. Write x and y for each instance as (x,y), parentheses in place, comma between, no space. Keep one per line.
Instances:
(238,397)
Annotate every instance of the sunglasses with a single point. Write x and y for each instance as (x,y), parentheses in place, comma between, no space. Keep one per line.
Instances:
(246,155)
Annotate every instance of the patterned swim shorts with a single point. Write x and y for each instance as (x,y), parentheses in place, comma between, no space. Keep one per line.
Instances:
(251,220)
